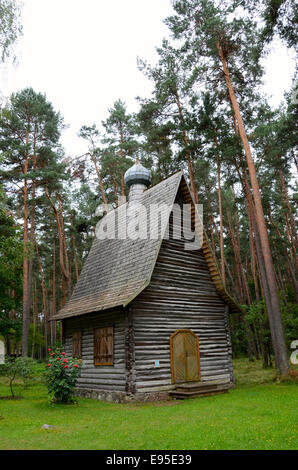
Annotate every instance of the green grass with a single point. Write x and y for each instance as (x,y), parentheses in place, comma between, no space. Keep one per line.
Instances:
(251,416)
(250,373)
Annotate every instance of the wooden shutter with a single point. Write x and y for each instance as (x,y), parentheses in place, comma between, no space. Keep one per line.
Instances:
(104,346)
(77,344)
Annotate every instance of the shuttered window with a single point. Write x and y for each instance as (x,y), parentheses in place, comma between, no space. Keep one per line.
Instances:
(77,344)
(104,346)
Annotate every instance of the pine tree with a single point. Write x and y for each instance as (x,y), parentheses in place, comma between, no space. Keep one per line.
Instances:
(119,137)
(218,37)
(91,134)
(279,17)
(172,87)
(29,134)
(11,257)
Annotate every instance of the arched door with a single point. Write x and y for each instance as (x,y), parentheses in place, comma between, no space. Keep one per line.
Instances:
(185,357)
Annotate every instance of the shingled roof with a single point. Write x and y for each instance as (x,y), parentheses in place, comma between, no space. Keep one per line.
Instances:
(117,270)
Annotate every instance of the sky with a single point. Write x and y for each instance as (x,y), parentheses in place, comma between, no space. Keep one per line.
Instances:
(82,55)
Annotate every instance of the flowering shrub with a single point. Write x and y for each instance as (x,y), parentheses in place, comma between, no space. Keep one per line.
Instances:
(61,375)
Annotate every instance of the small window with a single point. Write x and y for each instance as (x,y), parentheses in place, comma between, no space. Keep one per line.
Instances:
(77,344)
(104,346)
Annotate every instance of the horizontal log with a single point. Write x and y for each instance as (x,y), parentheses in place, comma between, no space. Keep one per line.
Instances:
(102,386)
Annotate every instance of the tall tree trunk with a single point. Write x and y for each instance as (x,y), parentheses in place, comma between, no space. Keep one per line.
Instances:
(44,295)
(239,283)
(274,313)
(102,192)
(289,263)
(114,182)
(64,270)
(53,322)
(212,237)
(261,265)
(253,261)
(187,152)
(293,251)
(244,294)
(32,221)
(68,283)
(286,196)
(26,303)
(35,318)
(74,249)
(213,224)
(222,253)
(122,157)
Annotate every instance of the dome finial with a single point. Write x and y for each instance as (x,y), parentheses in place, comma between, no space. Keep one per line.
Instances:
(137,174)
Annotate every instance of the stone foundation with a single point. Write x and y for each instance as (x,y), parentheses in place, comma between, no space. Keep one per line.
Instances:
(121,397)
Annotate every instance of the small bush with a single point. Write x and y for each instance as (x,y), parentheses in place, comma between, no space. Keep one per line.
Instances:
(62,373)
(20,367)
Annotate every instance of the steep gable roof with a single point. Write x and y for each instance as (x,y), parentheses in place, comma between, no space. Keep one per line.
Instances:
(117,270)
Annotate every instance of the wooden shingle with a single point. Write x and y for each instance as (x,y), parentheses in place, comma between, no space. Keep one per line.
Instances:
(117,270)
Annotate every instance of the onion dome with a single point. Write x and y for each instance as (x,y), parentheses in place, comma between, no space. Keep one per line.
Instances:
(137,174)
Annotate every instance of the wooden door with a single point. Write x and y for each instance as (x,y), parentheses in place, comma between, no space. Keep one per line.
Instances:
(185,358)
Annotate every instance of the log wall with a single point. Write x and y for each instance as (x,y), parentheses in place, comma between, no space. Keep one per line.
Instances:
(181,295)
(99,377)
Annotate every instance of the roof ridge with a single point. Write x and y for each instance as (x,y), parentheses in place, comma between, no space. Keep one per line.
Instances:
(163,181)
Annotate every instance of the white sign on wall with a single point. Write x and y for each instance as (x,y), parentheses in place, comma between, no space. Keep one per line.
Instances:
(2,352)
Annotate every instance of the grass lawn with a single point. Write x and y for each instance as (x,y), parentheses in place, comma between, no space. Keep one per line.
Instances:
(254,415)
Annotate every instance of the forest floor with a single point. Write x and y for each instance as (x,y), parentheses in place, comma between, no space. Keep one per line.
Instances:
(259,413)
